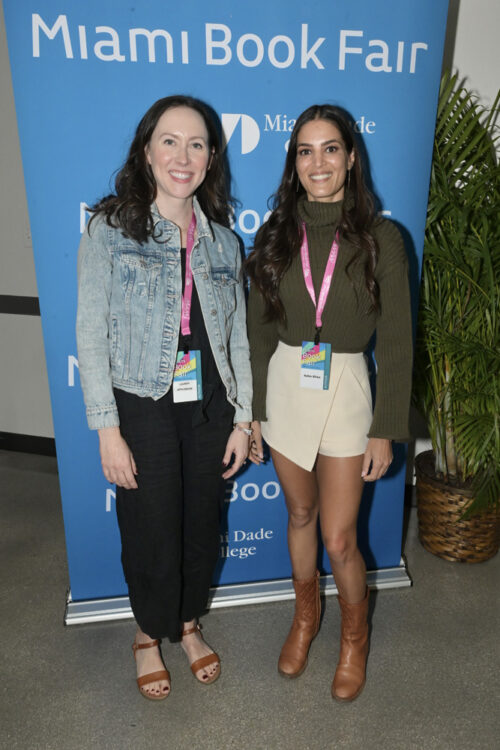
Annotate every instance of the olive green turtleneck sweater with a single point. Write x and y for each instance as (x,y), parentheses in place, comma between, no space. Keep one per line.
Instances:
(348,324)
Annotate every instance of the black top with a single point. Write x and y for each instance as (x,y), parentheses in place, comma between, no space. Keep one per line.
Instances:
(212,385)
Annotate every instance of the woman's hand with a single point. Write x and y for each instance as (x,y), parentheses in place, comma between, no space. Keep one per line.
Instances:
(117,460)
(256,448)
(377,459)
(237,445)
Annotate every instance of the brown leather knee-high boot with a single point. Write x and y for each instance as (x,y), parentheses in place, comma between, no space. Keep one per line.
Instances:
(293,657)
(350,674)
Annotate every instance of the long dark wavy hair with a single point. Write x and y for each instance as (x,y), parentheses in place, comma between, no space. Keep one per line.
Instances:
(129,208)
(278,240)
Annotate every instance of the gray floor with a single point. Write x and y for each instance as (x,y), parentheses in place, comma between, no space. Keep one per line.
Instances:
(433,673)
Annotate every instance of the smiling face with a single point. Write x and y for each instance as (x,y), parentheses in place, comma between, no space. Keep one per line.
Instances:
(179,155)
(322,161)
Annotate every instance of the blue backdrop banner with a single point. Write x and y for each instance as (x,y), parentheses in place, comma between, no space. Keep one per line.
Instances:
(83,75)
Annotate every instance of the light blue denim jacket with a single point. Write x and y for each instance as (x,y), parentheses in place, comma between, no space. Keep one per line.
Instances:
(129,309)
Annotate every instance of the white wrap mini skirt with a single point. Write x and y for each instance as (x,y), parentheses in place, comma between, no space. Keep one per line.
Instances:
(303,422)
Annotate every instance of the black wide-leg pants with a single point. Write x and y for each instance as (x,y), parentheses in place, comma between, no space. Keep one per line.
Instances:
(170,525)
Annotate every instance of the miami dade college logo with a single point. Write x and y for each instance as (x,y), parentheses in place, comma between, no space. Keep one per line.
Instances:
(250,133)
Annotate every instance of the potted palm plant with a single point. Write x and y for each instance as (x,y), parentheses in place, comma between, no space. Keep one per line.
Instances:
(457,356)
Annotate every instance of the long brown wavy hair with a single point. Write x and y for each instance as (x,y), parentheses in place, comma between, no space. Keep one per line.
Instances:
(135,187)
(278,240)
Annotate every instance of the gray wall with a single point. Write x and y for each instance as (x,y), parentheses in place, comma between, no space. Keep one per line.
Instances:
(24,391)
(471,46)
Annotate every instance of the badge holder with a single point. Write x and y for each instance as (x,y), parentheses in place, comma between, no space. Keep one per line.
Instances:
(187,377)
(315,362)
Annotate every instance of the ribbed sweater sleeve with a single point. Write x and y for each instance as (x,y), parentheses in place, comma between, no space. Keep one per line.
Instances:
(393,347)
(263,339)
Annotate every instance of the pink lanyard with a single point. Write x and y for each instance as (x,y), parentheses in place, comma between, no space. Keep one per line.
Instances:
(188,281)
(327,278)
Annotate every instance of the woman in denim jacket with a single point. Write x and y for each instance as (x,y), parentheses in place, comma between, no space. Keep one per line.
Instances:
(164,366)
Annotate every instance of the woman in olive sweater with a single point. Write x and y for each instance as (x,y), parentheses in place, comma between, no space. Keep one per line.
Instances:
(326,273)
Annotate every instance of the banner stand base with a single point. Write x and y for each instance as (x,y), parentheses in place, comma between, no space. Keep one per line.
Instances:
(230,595)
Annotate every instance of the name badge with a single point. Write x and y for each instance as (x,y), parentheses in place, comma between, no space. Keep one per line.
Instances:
(315,365)
(187,377)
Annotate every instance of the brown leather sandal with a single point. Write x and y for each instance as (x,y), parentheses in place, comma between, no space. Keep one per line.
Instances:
(147,679)
(205,661)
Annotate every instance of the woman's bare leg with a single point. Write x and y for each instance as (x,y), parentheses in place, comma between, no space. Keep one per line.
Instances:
(340,488)
(301,497)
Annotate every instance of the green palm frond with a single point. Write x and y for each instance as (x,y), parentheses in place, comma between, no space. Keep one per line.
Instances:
(457,358)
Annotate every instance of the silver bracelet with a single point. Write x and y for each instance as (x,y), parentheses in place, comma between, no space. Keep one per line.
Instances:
(247,430)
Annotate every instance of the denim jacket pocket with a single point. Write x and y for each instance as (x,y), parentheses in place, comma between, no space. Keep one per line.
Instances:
(139,271)
(225,282)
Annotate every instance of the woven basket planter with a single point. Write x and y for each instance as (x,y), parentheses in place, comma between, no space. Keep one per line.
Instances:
(440,528)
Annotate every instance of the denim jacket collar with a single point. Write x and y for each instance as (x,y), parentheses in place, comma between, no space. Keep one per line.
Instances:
(203,227)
